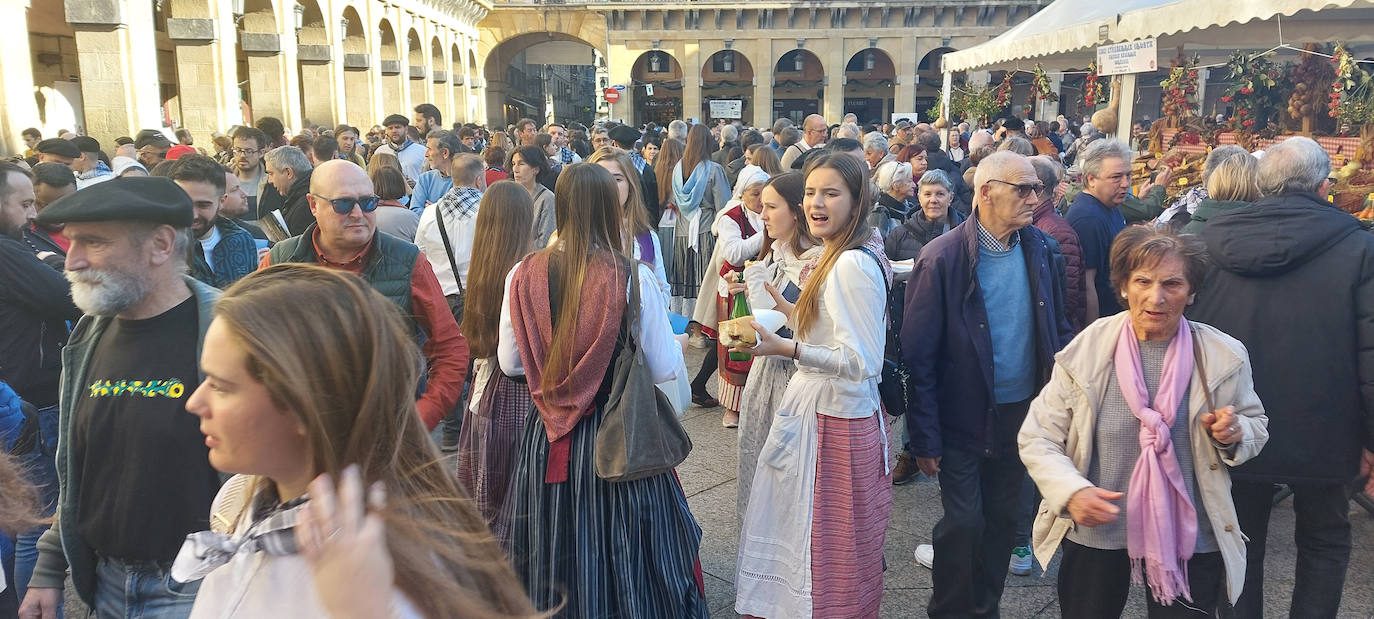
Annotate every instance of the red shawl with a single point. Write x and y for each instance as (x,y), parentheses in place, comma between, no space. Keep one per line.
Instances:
(599,309)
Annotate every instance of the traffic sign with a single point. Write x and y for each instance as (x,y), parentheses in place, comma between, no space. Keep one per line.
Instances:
(619,87)
(612,95)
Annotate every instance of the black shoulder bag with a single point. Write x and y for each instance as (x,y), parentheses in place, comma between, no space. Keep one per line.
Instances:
(455,301)
(894,386)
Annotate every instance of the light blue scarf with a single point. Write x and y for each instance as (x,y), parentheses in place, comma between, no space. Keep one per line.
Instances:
(688,194)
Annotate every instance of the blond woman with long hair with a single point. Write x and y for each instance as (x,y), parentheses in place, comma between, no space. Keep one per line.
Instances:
(488,443)
(282,546)
(622,549)
(825,494)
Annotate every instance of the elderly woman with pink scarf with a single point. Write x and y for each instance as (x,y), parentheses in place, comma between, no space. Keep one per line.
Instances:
(1131,442)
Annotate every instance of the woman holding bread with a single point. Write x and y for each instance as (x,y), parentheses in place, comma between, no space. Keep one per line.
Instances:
(822,492)
(788,245)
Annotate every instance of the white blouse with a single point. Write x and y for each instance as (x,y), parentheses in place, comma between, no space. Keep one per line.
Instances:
(782,266)
(662,353)
(847,340)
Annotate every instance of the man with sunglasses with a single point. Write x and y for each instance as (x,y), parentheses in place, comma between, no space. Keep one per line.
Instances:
(344,236)
(989,295)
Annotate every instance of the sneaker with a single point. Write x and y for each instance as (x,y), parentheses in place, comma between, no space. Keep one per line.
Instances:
(925,555)
(699,341)
(1021,561)
(730,419)
(449,444)
(906,469)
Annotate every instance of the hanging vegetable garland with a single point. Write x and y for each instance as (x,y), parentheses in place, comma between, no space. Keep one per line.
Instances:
(1179,89)
(1093,93)
(1352,93)
(1041,88)
(1004,91)
(1254,93)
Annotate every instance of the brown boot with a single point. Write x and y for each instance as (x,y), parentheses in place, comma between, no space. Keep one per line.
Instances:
(906,469)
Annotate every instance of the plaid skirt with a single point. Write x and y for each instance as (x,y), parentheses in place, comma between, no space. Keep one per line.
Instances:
(602,549)
(488,445)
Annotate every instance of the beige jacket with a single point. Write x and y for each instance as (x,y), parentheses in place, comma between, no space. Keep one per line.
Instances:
(1056,439)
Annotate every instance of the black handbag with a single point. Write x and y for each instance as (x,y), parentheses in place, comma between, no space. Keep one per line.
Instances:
(455,301)
(894,386)
(640,435)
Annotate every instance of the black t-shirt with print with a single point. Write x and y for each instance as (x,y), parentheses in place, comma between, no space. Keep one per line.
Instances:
(146,475)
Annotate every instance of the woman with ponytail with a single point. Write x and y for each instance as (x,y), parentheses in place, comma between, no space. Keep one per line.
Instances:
(823,492)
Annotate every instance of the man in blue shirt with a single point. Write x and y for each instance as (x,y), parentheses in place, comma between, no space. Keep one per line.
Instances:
(1096,218)
(440,151)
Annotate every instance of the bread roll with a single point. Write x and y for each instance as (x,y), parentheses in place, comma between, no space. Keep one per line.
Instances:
(738,331)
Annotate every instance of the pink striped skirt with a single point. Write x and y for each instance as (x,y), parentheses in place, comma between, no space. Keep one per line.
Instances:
(852,506)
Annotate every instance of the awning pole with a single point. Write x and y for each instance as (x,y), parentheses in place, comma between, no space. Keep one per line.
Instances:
(1125,115)
(944,107)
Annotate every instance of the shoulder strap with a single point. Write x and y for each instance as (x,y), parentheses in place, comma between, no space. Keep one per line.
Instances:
(448,247)
(874,256)
(1201,373)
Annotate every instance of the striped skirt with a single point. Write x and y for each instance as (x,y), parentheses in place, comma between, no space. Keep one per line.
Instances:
(849,519)
(602,549)
(488,446)
(688,266)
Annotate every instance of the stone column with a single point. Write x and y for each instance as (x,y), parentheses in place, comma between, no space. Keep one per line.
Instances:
(116,54)
(691,80)
(763,61)
(316,66)
(833,60)
(206,76)
(904,91)
(19,109)
(358,90)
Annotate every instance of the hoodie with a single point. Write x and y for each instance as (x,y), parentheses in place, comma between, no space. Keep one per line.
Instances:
(1292,278)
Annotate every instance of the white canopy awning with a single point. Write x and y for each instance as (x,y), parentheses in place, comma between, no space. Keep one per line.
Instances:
(1066,33)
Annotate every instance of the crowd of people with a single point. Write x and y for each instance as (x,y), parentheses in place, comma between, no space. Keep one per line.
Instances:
(224,370)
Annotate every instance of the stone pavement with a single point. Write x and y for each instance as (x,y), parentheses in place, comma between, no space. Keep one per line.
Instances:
(708,476)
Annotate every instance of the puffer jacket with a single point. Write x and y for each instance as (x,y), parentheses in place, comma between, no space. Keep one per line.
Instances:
(888,213)
(1057,437)
(1076,291)
(905,241)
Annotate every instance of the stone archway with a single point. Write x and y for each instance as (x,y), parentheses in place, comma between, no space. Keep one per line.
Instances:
(514,85)
(798,85)
(261,64)
(438,74)
(728,75)
(476,100)
(659,71)
(870,85)
(357,74)
(458,85)
(930,80)
(417,70)
(393,82)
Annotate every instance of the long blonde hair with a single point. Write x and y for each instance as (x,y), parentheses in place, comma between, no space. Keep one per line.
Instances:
(501,238)
(635,213)
(357,404)
(587,211)
(855,233)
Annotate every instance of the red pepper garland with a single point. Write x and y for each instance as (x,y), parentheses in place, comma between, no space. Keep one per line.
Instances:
(1179,90)
(1092,88)
(1004,91)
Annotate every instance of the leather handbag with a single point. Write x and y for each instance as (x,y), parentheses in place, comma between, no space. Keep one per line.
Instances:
(455,301)
(640,435)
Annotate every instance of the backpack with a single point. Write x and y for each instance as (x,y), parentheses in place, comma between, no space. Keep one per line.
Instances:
(894,386)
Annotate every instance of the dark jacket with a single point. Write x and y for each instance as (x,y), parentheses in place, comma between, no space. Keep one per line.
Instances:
(294,207)
(39,241)
(62,546)
(1206,210)
(235,255)
(888,213)
(905,241)
(948,347)
(1293,280)
(732,171)
(35,303)
(389,266)
(723,155)
(648,186)
(1076,293)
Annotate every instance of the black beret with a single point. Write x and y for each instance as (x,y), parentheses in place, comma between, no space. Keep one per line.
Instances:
(395,119)
(151,138)
(133,198)
(59,147)
(625,135)
(86,144)
(1014,124)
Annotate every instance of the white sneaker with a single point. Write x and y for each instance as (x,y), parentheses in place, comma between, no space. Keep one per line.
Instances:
(925,555)
(1021,561)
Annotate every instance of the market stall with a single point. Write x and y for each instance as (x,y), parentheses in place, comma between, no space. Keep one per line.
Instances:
(1282,75)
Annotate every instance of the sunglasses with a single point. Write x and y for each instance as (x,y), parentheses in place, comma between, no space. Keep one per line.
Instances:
(344,206)
(1024,190)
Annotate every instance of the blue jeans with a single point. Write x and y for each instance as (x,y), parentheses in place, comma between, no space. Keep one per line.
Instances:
(141,590)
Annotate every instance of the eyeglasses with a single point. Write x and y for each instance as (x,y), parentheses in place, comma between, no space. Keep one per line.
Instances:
(344,206)
(246,151)
(1024,190)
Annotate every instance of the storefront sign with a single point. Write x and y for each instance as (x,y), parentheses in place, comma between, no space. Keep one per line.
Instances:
(726,108)
(1122,58)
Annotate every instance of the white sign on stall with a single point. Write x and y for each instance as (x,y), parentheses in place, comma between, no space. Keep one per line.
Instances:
(726,108)
(1132,57)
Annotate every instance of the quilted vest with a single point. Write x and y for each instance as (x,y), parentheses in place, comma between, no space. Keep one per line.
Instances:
(388,265)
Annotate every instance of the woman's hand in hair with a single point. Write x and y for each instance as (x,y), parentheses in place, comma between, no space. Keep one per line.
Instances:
(343,539)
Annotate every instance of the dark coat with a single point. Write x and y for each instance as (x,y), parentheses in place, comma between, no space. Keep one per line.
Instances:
(1076,294)
(235,256)
(35,303)
(948,347)
(906,240)
(1206,210)
(888,213)
(1292,278)
(648,187)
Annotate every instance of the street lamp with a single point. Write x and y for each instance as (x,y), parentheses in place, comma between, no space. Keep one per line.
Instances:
(868,61)
(655,63)
(300,17)
(798,64)
(728,62)
(343,28)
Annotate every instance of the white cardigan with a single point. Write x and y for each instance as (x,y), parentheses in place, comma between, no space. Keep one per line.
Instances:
(1057,438)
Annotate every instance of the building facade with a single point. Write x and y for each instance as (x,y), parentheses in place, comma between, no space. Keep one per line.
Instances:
(109,68)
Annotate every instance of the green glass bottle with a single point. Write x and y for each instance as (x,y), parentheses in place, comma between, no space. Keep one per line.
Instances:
(739,307)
